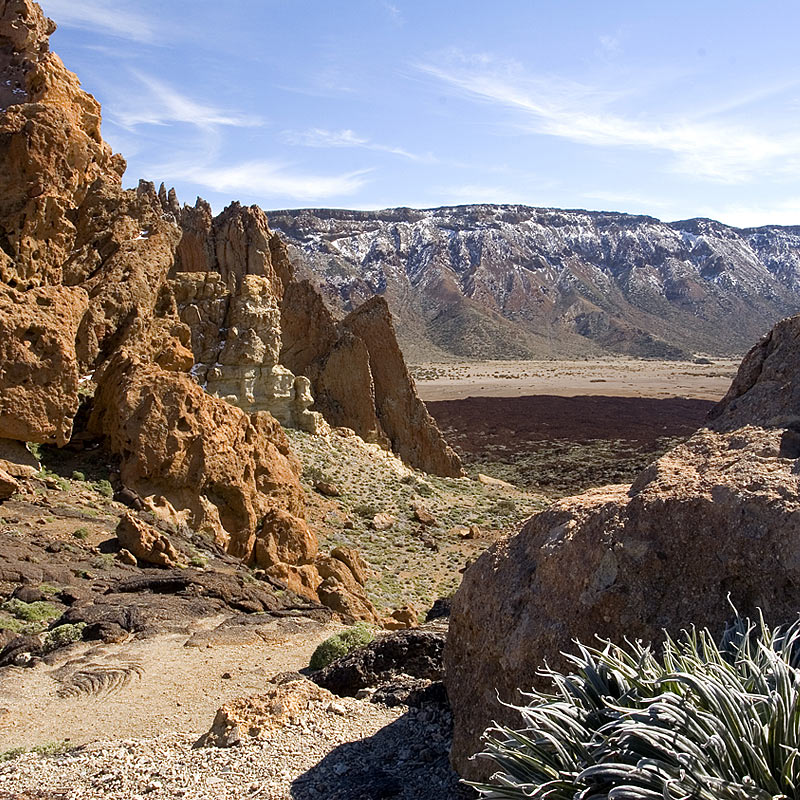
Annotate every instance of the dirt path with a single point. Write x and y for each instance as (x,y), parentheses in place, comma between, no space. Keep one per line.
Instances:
(147,687)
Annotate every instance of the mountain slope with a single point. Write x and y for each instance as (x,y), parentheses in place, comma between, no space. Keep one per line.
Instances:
(506,281)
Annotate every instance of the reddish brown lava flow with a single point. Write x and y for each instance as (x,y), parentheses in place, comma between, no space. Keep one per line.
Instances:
(480,424)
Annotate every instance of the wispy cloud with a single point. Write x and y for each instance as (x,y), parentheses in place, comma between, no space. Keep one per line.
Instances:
(103,16)
(395,15)
(268,179)
(749,98)
(581,113)
(320,137)
(741,215)
(164,105)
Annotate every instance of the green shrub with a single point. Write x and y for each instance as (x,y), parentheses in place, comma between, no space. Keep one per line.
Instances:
(10,624)
(341,644)
(366,510)
(81,533)
(48,475)
(505,507)
(702,721)
(103,561)
(35,449)
(423,488)
(46,749)
(40,611)
(78,476)
(63,635)
(314,473)
(104,487)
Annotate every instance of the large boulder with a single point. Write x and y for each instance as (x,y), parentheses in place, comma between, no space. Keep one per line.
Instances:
(146,543)
(288,700)
(766,389)
(713,523)
(403,661)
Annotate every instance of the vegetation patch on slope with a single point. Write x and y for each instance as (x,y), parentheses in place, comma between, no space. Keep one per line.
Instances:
(377,512)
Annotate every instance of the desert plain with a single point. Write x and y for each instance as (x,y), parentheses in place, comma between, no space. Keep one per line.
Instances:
(616,377)
(560,427)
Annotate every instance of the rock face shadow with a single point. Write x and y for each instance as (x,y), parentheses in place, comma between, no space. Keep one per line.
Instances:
(406,760)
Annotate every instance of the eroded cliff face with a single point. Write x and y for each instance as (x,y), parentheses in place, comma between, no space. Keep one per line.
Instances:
(714,522)
(512,281)
(88,280)
(254,327)
(229,277)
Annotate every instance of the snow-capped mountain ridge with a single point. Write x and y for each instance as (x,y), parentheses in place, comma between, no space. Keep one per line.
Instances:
(501,281)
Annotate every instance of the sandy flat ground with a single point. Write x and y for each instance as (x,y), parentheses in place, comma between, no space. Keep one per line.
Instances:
(176,684)
(611,377)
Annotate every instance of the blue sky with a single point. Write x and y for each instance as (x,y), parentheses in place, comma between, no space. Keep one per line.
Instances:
(675,109)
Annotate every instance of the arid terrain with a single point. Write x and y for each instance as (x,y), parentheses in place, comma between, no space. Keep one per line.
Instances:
(240,557)
(612,377)
(548,445)
(558,427)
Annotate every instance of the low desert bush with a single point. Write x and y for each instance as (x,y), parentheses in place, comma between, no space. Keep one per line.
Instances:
(341,644)
(46,749)
(40,611)
(10,624)
(702,720)
(366,510)
(104,488)
(63,635)
(54,478)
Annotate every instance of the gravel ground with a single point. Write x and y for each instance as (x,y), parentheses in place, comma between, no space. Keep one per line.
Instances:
(353,750)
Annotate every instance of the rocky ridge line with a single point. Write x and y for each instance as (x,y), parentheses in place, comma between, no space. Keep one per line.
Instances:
(509,281)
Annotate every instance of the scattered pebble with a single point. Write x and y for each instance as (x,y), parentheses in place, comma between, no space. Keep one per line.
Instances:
(368,752)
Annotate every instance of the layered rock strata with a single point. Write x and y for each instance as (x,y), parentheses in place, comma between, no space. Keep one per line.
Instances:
(486,282)
(714,523)
(229,277)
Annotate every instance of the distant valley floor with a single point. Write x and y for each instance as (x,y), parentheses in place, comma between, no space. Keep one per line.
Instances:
(562,427)
(611,377)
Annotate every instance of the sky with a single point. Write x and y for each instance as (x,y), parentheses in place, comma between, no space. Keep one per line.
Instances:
(673,109)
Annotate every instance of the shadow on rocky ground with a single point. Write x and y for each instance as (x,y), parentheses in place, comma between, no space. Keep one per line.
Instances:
(564,445)
(406,760)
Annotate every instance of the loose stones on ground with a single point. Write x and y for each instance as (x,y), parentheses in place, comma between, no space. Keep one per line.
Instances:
(369,751)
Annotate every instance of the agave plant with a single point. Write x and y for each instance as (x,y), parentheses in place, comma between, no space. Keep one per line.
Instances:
(704,720)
